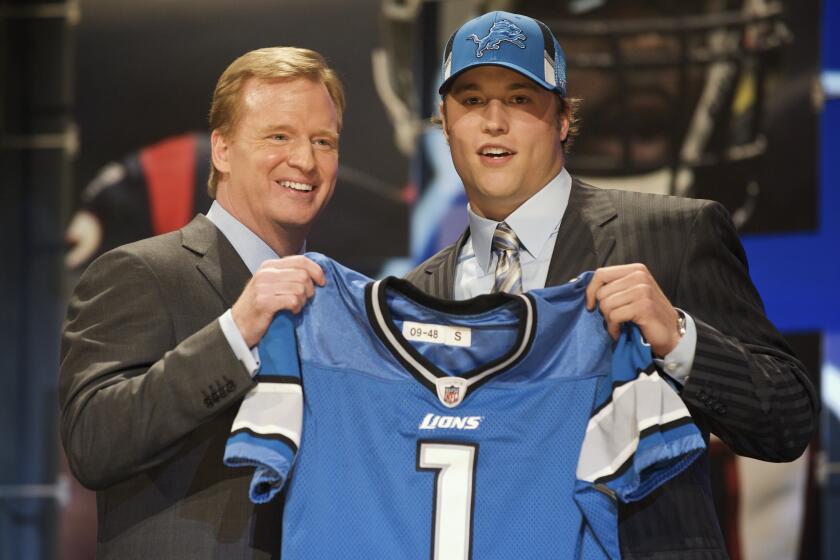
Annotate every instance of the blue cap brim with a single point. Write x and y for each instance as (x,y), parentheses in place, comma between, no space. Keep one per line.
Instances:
(444,87)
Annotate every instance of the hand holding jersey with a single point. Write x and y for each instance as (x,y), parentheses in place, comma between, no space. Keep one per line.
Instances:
(278,285)
(629,293)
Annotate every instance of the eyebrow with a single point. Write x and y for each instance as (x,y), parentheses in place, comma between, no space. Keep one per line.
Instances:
(473,86)
(288,128)
(327,132)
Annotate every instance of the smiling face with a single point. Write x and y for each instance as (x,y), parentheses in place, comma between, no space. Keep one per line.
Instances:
(279,162)
(505,136)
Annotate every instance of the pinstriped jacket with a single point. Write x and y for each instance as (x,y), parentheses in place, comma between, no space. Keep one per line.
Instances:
(745,385)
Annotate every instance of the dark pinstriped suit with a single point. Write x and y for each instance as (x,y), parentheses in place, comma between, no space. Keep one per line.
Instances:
(745,385)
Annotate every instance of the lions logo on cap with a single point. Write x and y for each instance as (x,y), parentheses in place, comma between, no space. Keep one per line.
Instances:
(502,30)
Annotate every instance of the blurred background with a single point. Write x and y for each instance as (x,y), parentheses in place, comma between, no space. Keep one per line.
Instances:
(103,140)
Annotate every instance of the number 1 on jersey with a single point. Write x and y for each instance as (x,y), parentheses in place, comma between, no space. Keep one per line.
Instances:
(454,467)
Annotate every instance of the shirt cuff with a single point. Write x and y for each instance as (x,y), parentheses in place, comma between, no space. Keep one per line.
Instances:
(250,357)
(678,362)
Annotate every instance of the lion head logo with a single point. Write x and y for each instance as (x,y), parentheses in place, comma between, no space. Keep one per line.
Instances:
(502,30)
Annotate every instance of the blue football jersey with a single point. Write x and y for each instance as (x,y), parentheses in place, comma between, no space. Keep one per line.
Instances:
(405,426)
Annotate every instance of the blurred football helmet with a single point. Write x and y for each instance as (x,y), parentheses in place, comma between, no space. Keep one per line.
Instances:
(673,92)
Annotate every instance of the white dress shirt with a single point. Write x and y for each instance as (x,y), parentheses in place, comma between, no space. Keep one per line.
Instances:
(535,223)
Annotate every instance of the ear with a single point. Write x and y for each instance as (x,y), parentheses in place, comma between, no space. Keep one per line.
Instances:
(443,124)
(219,151)
(564,128)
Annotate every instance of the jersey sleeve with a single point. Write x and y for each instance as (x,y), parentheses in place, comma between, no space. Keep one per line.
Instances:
(640,434)
(267,429)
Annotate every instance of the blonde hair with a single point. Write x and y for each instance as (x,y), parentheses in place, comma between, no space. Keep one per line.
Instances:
(273,63)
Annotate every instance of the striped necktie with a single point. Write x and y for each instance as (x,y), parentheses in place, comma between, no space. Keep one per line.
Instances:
(508,271)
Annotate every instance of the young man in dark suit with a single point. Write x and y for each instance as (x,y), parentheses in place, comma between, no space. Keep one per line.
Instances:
(673,266)
(158,347)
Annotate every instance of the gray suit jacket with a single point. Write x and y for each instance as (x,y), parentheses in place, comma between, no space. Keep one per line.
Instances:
(149,388)
(745,385)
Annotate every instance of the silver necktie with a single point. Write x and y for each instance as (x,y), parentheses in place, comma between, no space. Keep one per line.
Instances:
(508,271)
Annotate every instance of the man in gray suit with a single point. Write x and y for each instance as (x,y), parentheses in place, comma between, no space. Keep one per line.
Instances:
(673,266)
(158,347)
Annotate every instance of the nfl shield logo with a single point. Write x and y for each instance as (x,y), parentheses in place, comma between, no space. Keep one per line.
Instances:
(451,390)
(451,394)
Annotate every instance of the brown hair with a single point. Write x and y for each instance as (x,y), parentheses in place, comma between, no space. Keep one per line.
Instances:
(273,63)
(569,107)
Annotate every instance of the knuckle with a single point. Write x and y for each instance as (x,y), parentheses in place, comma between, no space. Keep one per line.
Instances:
(269,265)
(265,275)
(273,266)
(286,302)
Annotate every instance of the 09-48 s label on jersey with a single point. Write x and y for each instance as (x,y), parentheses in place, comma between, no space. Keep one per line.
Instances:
(437,334)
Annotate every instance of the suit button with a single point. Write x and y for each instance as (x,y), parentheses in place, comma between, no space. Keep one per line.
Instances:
(208,402)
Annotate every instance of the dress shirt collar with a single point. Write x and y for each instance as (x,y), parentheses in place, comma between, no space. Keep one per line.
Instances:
(247,244)
(533,222)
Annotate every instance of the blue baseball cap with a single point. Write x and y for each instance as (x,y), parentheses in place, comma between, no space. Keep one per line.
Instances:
(518,42)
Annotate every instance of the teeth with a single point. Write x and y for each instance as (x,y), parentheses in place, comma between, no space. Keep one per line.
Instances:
(494,152)
(297,186)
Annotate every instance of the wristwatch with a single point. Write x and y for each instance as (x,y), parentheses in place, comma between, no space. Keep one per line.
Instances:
(680,323)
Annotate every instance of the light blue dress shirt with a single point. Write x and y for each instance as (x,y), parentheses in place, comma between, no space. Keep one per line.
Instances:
(253,251)
(535,223)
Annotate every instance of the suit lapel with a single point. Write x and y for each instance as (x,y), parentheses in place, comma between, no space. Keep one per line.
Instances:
(584,242)
(441,271)
(220,264)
